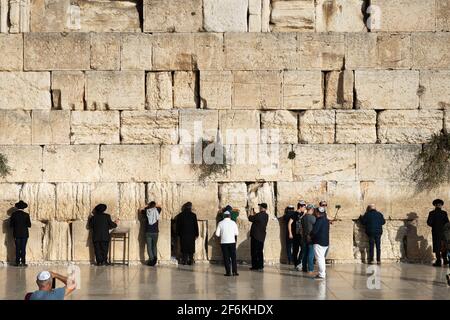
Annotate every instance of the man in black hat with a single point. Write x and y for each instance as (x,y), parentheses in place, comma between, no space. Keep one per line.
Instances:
(20,222)
(258,235)
(436,220)
(100,223)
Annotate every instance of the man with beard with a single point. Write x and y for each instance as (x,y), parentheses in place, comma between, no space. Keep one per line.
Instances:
(436,220)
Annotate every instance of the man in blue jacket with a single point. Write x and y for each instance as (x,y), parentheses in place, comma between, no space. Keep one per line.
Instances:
(373,220)
(320,236)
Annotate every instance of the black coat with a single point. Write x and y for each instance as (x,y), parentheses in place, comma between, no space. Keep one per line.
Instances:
(373,220)
(20,222)
(101,223)
(436,220)
(187,230)
(320,234)
(259,225)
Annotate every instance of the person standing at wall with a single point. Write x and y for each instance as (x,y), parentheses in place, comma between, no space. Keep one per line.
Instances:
(101,223)
(436,220)
(187,230)
(152,214)
(373,220)
(295,233)
(446,233)
(227,230)
(289,212)
(320,236)
(19,223)
(308,222)
(258,236)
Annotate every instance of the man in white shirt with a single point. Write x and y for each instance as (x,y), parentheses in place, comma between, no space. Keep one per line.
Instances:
(227,230)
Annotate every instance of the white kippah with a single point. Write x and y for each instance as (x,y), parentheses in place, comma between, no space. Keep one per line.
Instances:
(321,209)
(44,275)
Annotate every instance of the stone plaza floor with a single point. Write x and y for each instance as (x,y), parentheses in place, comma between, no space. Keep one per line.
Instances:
(206,281)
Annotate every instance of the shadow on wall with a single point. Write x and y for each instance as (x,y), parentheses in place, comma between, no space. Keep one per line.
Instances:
(418,247)
(8,237)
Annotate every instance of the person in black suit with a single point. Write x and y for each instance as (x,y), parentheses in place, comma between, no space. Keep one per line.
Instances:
(373,220)
(100,223)
(20,222)
(187,230)
(258,236)
(436,220)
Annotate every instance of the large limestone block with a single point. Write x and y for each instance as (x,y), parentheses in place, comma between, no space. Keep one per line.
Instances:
(9,195)
(41,199)
(136,52)
(150,127)
(198,124)
(173,15)
(272,245)
(166,195)
(83,159)
(361,50)
(239,126)
(394,51)
(73,201)
(51,127)
(302,90)
(292,15)
(115,90)
(430,50)
(443,15)
(323,51)
(261,51)
(57,241)
(339,90)
(290,193)
(394,162)
(15,127)
(204,198)
(200,243)
(339,16)
(419,241)
(234,194)
(130,163)
(279,127)
(164,241)
(396,15)
(68,90)
(13,85)
(435,89)
(216,89)
(95,127)
(341,241)
(254,17)
(225,15)
(387,89)
(317,126)
(34,243)
(25,163)
(347,194)
(356,126)
(57,51)
(131,200)
(107,193)
(408,126)
(105,51)
(177,163)
(82,246)
(159,90)
(11,50)
(184,90)
(257,90)
(325,162)
(261,192)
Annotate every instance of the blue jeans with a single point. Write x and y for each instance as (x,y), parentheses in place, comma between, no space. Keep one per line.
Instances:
(308,257)
(152,240)
(289,249)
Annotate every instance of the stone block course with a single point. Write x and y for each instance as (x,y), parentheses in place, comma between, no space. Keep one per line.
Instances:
(430,50)
(435,92)
(293,16)
(105,51)
(216,89)
(225,15)
(356,126)
(11,51)
(15,127)
(25,163)
(68,90)
(317,126)
(50,127)
(94,127)
(159,90)
(302,90)
(256,90)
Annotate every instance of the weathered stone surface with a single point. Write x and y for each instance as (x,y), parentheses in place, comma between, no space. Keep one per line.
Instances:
(356,126)
(339,90)
(204,198)
(115,90)
(164,241)
(25,163)
(239,126)
(41,199)
(105,51)
(323,51)
(394,51)
(361,50)
(131,200)
(216,89)
(50,127)
(172,15)
(257,90)
(150,126)
(419,241)
(9,194)
(107,193)
(35,84)
(11,50)
(408,126)
(225,15)
(290,193)
(56,51)
(279,127)
(292,15)
(136,51)
(254,15)
(15,127)
(341,241)
(83,159)
(396,15)
(166,195)
(177,163)
(317,126)
(130,163)
(387,89)
(95,127)
(443,15)
(394,162)
(200,242)
(57,244)
(234,194)
(302,90)
(184,90)
(347,194)
(312,162)
(73,201)
(159,90)
(198,124)
(68,90)
(339,16)
(82,246)
(435,92)
(430,50)
(48,16)
(261,192)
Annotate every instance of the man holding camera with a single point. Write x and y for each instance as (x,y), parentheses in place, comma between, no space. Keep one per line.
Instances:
(46,284)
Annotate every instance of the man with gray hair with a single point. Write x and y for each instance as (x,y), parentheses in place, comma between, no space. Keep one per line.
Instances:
(47,292)
(373,221)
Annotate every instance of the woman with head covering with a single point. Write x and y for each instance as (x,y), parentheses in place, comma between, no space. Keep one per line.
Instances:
(20,222)
(187,230)
(436,220)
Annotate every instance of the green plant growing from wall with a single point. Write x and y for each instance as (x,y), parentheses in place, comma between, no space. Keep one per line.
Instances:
(213,159)
(5,169)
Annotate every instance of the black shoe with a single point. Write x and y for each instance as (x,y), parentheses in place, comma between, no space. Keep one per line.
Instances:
(448,279)
(437,264)
(253,269)
(378,262)
(235,274)
(17,264)
(227,274)
(99,264)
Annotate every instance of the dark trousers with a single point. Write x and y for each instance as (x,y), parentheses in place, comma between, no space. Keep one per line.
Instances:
(289,243)
(297,252)
(375,240)
(256,249)
(152,241)
(441,254)
(101,251)
(187,258)
(229,257)
(21,245)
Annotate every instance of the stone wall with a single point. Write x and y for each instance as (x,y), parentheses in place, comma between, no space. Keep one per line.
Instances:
(96,98)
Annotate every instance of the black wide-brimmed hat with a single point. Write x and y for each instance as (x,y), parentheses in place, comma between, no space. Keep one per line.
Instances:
(21,205)
(438,201)
(100,208)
